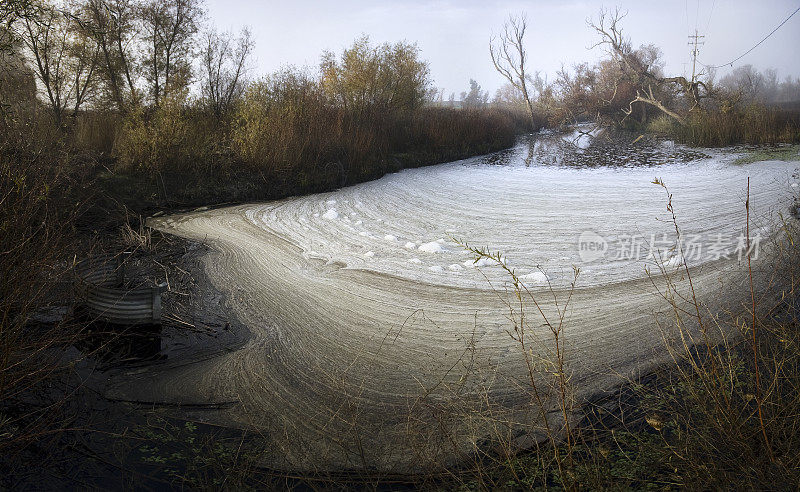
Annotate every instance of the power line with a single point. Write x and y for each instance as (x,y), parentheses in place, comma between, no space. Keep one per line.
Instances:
(695,51)
(697,16)
(757,44)
(688,30)
(711,14)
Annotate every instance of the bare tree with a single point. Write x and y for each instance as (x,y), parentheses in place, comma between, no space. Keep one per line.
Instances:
(12,11)
(111,24)
(170,26)
(509,57)
(17,79)
(63,63)
(84,60)
(636,62)
(42,39)
(224,66)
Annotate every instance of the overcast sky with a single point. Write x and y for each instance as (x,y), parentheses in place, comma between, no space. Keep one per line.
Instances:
(453,35)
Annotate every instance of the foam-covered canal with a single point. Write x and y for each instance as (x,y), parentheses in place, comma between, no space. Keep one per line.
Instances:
(377,341)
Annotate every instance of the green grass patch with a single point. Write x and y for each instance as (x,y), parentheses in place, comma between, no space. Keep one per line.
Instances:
(783,153)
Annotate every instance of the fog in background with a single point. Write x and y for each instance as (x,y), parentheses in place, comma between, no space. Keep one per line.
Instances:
(453,35)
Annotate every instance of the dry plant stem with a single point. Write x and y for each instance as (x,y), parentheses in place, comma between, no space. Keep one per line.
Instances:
(556,330)
(755,345)
(696,305)
(699,370)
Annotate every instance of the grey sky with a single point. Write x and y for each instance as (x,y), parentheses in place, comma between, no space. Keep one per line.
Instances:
(453,35)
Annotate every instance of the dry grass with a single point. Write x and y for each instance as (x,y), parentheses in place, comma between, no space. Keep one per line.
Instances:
(36,237)
(721,416)
(285,137)
(754,124)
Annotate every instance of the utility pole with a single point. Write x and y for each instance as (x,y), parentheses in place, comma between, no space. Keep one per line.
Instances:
(694,43)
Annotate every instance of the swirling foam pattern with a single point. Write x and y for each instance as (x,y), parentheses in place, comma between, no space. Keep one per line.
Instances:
(378,342)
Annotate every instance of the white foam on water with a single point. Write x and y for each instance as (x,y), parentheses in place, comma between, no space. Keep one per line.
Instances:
(432,247)
(532,215)
(535,277)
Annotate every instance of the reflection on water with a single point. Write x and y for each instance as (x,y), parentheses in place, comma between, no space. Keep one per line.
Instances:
(114,345)
(592,147)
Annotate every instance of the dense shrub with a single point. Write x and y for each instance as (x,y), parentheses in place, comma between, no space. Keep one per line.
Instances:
(283,122)
(42,192)
(97,131)
(151,143)
(297,131)
(390,76)
(286,124)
